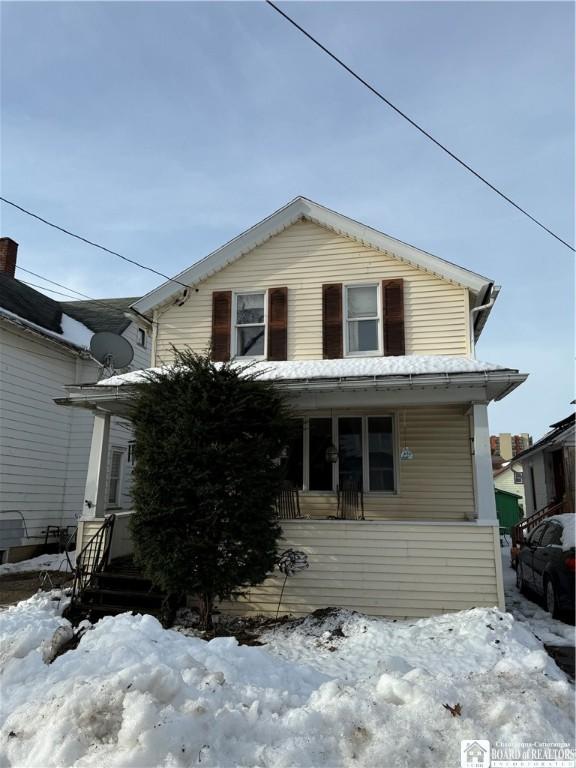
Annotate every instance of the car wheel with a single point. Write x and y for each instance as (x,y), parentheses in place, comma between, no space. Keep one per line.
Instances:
(520,583)
(551,599)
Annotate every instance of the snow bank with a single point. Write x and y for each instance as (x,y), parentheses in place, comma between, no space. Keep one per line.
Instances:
(347,368)
(347,690)
(56,562)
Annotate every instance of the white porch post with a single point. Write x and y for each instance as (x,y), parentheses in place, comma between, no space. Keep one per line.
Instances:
(482,464)
(94,496)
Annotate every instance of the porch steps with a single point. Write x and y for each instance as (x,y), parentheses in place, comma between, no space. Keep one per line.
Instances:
(121,587)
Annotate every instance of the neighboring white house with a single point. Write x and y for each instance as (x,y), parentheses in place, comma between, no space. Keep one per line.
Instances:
(548,468)
(510,477)
(373,342)
(44,450)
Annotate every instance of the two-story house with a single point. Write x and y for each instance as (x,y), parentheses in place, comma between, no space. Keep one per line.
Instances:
(44,451)
(373,340)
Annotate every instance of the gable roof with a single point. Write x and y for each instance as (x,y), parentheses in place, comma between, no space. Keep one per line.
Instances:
(43,315)
(303,209)
(99,317)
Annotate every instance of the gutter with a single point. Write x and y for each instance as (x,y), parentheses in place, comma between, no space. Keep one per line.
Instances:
(45,335)
(487,305)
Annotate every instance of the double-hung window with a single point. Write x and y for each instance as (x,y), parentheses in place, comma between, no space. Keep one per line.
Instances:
(362,312)
(115,480)
(249,314)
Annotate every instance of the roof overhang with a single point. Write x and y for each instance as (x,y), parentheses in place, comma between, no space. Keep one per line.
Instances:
(384,390)
(26,326)
(302,208)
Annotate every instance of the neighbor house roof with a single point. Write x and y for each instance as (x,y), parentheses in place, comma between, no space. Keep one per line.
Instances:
(558,431)
(99,317)
(482,288)
(70,323)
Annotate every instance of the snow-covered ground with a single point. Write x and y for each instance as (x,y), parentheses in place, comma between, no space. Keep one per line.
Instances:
(529,613)
(56,562)
(339,691)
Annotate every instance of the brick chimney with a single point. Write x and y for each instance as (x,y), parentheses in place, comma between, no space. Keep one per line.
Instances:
(8,252)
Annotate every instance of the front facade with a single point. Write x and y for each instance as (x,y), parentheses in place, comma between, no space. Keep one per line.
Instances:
(374,343)
(44,450)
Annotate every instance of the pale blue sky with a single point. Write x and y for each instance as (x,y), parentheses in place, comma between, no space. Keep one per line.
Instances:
(164,129)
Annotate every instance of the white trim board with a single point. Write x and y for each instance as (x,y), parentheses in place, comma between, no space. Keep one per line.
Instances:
(302,208)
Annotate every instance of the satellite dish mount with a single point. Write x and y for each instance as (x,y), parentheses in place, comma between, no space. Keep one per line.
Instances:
(112,351)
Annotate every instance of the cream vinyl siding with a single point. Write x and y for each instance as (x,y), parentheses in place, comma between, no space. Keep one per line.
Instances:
(437,484)
(383,569)
(304,257)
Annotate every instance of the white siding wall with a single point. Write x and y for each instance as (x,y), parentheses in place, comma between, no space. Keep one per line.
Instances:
(44,448)
(505,482)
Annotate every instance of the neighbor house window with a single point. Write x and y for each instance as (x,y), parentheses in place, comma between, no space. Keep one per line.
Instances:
(141,337)
(519,478)
(365,453)
(362,319)
(115,478)
(250,324)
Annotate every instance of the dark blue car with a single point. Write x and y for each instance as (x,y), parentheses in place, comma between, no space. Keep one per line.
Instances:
(546,564)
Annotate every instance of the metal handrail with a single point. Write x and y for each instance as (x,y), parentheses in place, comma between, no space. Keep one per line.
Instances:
(92,557)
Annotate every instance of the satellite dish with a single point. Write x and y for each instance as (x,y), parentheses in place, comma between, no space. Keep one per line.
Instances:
(111,350)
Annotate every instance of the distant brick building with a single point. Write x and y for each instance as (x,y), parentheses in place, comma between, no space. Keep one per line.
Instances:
(507,446)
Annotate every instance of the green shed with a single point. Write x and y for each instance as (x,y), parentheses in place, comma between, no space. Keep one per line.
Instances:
(508,509)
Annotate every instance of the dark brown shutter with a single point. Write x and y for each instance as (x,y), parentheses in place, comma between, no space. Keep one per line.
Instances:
(221,320)
(393,300)
(278,324)
(332,320)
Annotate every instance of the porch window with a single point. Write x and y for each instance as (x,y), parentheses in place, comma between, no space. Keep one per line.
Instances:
(362,320)
(250,324)
(115,480)
(365,453)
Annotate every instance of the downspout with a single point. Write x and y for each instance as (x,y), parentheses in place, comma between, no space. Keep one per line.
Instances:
(474,311)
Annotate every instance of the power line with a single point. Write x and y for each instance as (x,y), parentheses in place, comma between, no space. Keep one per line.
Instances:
(45,288)
(90,242)
(415,124)
(67,288)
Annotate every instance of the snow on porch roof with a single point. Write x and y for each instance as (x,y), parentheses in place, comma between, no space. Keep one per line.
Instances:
(349,368)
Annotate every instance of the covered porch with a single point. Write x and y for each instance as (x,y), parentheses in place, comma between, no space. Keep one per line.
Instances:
(418,447)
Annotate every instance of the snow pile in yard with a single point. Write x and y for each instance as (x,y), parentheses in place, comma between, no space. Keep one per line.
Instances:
(347,368)
(56,562)
(347,690)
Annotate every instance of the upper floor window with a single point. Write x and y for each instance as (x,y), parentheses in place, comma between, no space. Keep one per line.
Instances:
(249,316)
(362,312)
(519,478)
(141,339)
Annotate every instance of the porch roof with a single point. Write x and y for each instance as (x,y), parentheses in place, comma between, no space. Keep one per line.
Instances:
(414,373)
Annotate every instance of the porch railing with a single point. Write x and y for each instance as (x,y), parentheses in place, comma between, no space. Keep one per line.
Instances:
(92,558)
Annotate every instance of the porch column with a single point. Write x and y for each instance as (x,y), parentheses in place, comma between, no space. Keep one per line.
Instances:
(94,496)
(484,497)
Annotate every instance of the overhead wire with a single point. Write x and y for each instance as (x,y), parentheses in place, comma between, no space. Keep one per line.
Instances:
(91,242)
(418,127)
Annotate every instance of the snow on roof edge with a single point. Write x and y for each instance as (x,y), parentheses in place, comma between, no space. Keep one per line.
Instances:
(357,367)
